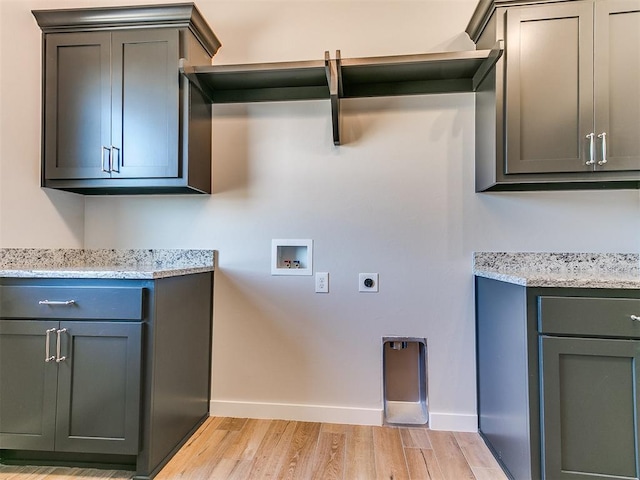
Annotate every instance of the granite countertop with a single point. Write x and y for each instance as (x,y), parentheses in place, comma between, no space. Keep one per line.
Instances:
(117,264)
(569,270)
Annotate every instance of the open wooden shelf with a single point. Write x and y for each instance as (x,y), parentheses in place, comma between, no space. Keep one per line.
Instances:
(411,74)
(339,78)
(262,82)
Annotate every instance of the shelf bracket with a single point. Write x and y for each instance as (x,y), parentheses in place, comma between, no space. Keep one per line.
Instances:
(488,64)
(333,70)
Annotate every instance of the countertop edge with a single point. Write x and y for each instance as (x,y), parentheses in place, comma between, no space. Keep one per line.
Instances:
(131,274)
(502,277)
(560,269)
(561,281)
(132,264)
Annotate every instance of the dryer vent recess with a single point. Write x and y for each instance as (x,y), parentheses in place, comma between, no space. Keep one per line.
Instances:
(404,363)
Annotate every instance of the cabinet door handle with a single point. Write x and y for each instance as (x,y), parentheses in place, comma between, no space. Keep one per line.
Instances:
(58,357)
(115,161)
(635,317)
(603,136)
(106,169)
(592,149)
(56,302)
(47,352)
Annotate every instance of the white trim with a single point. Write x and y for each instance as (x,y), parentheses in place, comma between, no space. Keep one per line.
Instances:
(302,413)
(453,422)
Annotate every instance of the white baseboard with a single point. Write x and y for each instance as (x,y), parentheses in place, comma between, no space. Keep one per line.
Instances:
(301,413)
(330,414)
(453,422)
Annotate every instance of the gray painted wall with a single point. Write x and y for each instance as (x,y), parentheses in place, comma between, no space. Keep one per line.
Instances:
(397,198)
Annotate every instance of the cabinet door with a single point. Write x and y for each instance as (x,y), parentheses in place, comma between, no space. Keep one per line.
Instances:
(549,87)
(77,105)
(591,402)
(27,385)
(99,387)
(617,83)
(145,103)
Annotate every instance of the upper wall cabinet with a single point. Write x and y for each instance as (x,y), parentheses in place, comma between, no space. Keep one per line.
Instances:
(561,109)
(118,117)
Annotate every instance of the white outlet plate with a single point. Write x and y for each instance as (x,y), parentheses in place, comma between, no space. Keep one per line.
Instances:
(322,282)
(363,277)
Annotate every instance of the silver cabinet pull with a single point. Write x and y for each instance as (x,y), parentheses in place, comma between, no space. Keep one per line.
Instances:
(115,161)
(635,317)
(47,353)
(55,302)
(58,357)
(106,169)
(592,149)
(603,136)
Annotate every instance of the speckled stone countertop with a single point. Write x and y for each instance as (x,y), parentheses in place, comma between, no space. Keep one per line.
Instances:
(123,264)
(569,270)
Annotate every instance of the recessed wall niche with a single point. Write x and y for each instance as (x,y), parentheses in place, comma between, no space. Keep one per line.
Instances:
(291,256)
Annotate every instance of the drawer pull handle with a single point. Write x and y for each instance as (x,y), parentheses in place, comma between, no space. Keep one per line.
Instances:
(115,161)
(58,357)
(603,136)
(106,169)
(47,353)
(635,317)
(592,149)
(54,302)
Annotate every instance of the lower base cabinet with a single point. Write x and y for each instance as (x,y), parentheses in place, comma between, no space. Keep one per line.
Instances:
(85,401)
(559,380)
(589,408)
(105,373)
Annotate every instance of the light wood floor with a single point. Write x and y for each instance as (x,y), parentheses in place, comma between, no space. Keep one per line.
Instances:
(248,449)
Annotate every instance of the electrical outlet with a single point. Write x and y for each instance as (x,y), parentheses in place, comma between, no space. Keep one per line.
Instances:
(322,282)
(368,282)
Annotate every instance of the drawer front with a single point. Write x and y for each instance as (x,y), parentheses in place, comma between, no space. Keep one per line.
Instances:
(104,303)
(584,316)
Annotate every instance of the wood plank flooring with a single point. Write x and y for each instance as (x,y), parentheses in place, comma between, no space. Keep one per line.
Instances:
(250,449)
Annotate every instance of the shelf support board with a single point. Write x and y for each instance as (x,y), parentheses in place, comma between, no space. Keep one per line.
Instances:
(488,64)
(332,68)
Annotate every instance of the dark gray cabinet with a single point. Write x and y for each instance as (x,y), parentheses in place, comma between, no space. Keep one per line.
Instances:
(590,380)
(117,115)
(507,377)
(103,372)
(111,105)
(29,385)
(77,105)
(74,369)
(559,109)
(558,380)
(52,405)
(617,84)
(548,87)
(589,407)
